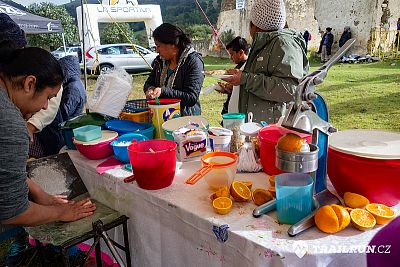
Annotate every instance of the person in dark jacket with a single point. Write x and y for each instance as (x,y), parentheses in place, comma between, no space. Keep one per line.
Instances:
(72,103)
(346,35)
(178,70)
(307,37)
(238,50)
(325,47)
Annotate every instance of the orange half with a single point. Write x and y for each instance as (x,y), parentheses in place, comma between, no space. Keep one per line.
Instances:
(362,219)
(383,214)
(222,205)
(240,192)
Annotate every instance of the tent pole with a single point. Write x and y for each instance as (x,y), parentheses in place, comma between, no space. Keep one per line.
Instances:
(63,39)
(84,52)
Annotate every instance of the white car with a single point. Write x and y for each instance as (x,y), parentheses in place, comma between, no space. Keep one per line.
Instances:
(69,51)
(119,55)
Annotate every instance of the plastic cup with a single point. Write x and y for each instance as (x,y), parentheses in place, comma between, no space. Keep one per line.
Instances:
(294,192)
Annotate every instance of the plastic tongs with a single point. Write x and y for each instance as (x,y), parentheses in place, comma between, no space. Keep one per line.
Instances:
(195,177)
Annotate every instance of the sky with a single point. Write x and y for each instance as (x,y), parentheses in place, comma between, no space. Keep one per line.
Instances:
(28,2)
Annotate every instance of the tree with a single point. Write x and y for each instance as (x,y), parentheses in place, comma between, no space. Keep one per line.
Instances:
(52,11)
(199,32)
(113,33)
(227,36)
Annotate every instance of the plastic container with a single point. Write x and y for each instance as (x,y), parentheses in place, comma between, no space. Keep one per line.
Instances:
(268,137)
(67,127)
(120,146)
(220,139)
(142,117)
(223,171)
(167,110)
(99,148)
(126,126)
(192,143)
(366,162)
(87,133)
(233,121)
(136,110)
(294,196)
(171,125)
(153,163)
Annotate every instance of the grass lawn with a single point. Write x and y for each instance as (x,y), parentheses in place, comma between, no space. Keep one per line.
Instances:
(364,96)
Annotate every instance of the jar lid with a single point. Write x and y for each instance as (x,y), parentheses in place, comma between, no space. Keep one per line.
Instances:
(234,116)
(367,143)
(218,131)
(250,128)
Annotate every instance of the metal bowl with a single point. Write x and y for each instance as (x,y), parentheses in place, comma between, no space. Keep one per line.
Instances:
(300,162)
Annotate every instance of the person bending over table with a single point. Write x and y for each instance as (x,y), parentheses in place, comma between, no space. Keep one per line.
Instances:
(178,70)
(29,77)
(14,36)
(276,62)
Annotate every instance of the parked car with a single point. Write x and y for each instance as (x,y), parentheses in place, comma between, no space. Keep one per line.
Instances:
(119,55)
(69,50)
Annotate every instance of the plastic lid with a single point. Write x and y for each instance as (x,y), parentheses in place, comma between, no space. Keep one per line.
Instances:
(234,116)
(165,101)
(250,128)
(218,131)
(82,120)
(367,143)
(106,136)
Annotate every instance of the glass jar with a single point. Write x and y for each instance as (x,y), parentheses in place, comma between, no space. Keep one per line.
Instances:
(233,121)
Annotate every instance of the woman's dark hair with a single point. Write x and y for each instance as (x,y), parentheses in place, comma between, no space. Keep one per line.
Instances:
(30,61)
(238,44)
(167,33)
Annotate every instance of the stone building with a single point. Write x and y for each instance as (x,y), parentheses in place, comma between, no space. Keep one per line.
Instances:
(315,15)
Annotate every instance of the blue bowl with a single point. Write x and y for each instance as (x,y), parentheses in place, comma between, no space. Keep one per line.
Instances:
(120,146)
(126,126)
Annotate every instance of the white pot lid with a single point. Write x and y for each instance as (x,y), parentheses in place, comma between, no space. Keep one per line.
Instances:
(106,136)
(367,143)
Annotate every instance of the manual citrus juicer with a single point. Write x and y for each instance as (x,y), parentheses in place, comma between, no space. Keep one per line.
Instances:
(308,113)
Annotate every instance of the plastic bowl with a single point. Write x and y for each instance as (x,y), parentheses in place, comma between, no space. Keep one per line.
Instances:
(171,125)
(153,163)
(67,127)
(120,146)
(97,149)
(126,126)
(376,179)
(87,133)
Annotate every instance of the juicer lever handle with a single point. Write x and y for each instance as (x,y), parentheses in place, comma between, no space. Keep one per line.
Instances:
(302,225)
(264,208)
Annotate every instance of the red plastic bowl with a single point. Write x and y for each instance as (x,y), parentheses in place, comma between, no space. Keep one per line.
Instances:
(153,163)
(268,138)
(376,179)
(96,151)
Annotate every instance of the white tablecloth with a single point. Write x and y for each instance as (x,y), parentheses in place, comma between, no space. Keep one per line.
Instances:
(173,226)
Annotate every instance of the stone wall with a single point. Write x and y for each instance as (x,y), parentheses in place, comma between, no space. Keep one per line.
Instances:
(316,15)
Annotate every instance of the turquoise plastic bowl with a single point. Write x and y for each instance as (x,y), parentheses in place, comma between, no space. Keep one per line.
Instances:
(120,150)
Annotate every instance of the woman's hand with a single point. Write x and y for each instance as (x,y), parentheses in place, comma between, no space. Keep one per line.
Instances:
(235,78)
(153,93)
(76,210)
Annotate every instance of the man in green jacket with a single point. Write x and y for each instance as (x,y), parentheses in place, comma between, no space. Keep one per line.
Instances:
(276,63)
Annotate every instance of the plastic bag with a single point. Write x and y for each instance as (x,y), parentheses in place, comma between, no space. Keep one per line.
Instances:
(110,92)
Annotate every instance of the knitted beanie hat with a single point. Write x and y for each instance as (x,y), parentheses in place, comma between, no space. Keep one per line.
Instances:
(10,31)
(268,15)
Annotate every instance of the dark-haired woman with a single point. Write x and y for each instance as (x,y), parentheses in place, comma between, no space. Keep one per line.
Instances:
(29,77)
(178,71)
